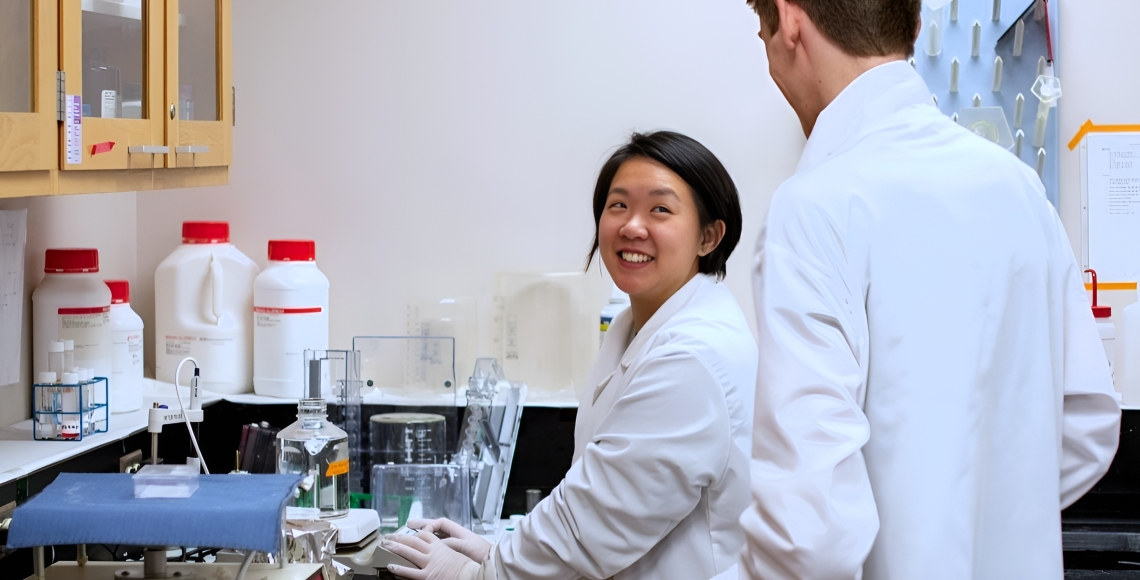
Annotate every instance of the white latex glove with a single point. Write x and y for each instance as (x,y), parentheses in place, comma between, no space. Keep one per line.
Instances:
(456,537)
(435,559)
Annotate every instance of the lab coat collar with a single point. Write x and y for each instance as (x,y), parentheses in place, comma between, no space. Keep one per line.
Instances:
(860,107)
(671,306)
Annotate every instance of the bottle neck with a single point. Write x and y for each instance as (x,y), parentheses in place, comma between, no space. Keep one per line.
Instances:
(312,413)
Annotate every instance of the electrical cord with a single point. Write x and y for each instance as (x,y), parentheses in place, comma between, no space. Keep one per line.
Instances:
(244,565)
(181,407)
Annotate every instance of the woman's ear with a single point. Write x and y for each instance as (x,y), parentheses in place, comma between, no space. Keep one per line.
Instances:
(711,235)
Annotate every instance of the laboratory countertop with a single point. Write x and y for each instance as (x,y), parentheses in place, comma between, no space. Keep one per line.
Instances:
(21,454)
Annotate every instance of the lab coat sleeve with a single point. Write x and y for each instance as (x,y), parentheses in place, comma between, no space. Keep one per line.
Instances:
(644,470)
(813,514)
(1091,413)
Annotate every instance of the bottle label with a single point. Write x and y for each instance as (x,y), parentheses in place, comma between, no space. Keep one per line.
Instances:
(87,326)
(270,316)
(339,467)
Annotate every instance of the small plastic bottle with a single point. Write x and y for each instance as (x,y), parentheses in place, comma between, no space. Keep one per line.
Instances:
(126,350)
(618,301)
(55,358)
(290,316)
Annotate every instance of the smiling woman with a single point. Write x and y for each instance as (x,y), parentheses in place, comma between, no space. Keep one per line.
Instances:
(654,231)
(659,474)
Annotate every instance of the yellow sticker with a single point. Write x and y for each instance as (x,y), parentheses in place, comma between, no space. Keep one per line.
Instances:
(337,468)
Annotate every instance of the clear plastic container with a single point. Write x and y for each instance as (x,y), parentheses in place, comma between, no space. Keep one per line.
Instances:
(318,451)
(154,481)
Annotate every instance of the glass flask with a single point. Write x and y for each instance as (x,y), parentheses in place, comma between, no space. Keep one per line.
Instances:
(317,450)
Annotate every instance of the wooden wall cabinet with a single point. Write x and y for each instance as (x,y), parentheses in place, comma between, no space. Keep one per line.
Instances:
(114,95)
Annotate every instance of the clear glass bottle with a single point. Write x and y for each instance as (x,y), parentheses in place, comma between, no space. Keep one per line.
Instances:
(318,450)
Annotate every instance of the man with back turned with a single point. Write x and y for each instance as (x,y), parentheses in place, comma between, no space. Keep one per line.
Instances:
(931,390)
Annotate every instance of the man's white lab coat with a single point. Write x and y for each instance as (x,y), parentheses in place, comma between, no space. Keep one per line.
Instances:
(660,469)
(932,391)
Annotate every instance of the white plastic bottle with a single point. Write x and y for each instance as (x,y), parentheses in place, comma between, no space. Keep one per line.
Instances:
(1126,375)
(618,301)
(290,315)
(72,303)
(203,307)
(126,350)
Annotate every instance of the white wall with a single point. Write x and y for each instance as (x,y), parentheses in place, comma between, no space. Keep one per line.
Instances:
(426,146)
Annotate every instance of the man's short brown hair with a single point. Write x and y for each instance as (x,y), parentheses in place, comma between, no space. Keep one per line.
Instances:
(859,27)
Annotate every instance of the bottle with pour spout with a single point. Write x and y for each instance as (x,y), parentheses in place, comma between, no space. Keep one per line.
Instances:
(317,450)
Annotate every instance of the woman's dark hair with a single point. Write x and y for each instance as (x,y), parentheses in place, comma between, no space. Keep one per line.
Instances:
(713,189)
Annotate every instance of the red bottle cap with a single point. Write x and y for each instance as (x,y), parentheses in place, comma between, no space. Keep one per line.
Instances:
(205,232)
(292,250)
(120,291)
(71,260)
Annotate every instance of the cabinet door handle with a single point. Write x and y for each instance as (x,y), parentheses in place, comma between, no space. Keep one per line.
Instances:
(172,111)
(192,149)
(151,149)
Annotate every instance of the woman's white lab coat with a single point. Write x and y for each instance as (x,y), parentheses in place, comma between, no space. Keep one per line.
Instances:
(659,476)
(931,390)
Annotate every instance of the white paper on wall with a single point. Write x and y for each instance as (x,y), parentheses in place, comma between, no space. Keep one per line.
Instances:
(1111,174)
(13,238)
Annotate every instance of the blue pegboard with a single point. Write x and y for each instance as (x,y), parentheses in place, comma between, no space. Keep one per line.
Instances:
(976,73)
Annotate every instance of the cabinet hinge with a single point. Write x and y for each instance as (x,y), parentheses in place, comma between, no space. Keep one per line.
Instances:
(60,94)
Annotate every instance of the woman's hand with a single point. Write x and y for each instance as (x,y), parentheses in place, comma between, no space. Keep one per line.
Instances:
(436,560)
(456,537)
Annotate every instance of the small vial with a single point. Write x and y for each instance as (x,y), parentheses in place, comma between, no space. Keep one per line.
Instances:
(55,357)
(977,100)
(997,11)
(1018,140)
(68,354)
(954,75)
(533,496)
(1018,109)
(68,404)
(1040,162)
(997,74)
(45,426)
(953,10)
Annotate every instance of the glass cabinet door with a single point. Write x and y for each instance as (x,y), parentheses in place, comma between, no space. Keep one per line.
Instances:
(111,54)
(199,97)
(113,57)
(16,56)
(27,65)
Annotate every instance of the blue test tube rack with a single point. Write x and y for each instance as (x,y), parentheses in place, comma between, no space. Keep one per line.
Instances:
(69,412)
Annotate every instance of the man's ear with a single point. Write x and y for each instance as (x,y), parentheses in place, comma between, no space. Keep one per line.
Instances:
(791,22)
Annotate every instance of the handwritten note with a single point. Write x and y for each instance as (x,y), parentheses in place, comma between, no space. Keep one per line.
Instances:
(13,238)
(1112,182)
